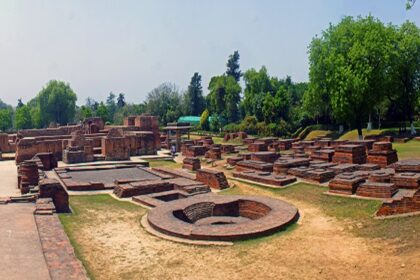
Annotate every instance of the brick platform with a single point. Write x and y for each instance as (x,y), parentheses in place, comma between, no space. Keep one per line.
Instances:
(234,160)
(406,180)
(368,167)
(382,154)
(319,175)
(191,163)
(214,153)
(59,254)
(345,183)
(265,178)
(285,144)
(376,189)
(213,178)
(300,172)
(257,147)
(324,154)
(195,151)
(269,157)
(411,165)
(254,165)
(350,154)
(282,165)
(408,203)
(343,168)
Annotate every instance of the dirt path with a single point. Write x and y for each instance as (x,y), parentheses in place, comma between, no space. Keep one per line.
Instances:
(8,175)
(317,248)
(21,255)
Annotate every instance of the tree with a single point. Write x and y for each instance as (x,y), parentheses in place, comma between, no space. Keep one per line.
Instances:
(103,112)
(85,112)
(194,100)
(23,118)
(409,4)
(6,119)
(224,97)
(128,110)
(111,106)
(165,102)
(353,57)
(204,120)
(233,66)
(20,103)
(257,85)
(55,103)
(404,82)
(121,100)
(92,104)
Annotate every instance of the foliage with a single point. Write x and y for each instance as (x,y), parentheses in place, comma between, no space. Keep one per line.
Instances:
(194,100)
(6,116)
(224,97)
(55,103)
(102,112)
(204,120)
(23,118)
(121,100)
(165,102)
(349,63)
(233,66)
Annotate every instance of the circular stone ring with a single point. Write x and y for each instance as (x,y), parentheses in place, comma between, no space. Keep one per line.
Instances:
(222,217)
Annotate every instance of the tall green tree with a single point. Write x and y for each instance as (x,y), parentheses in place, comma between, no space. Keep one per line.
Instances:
(111,106)
(224,97)
(103,112)
(6,116)
(164,101)
(23,118)
(233,66)
(404,78)
(20,103)
(194,100)
(121,100)
(354,56)
(257,85)
(55,103)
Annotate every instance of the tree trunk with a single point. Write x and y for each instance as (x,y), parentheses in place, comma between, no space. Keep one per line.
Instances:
(359,130)
(369,125)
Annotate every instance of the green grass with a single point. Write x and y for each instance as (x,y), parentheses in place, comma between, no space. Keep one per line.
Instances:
(409,150)
(84,208)
(164,163)
(356,214)
(353,134)
(321,133)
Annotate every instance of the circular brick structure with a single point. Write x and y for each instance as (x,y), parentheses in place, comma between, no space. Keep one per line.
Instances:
(222,218)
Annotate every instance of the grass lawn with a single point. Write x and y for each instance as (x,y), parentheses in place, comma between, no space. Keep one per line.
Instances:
(164,163)
(84,209)
(409,150)
(353,135)
(109,240)
(356,213)
(320,133)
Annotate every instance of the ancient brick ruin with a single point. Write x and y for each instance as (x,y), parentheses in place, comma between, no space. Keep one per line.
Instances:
(222,218)
(91,140)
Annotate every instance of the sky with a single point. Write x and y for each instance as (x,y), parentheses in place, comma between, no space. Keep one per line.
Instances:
(100,46)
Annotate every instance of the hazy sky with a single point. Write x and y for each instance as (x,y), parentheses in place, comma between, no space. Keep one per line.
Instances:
(133,46)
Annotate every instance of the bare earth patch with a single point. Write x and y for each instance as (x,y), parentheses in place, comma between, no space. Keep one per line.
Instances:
(113,245)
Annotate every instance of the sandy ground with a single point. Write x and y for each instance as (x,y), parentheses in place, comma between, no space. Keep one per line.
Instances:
(317,248)
(21,255)
(8,179)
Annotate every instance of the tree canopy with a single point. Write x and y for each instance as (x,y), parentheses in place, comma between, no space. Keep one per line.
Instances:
(55,103)
(194,100)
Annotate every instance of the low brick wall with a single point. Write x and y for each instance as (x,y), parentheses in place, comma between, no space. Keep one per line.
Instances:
(214,179)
